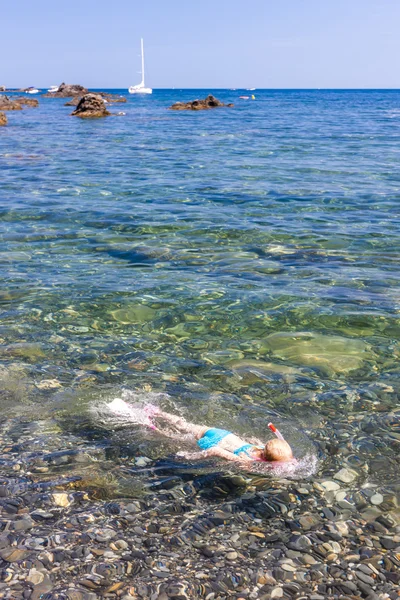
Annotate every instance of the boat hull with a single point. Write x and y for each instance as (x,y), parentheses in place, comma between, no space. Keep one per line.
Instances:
(144,90)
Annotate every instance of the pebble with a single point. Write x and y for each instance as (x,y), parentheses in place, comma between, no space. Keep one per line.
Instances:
(35,577)
(61,499)
(346,475)
(376,499)
(365,578)
(330,486)
(232,555)
(299,542)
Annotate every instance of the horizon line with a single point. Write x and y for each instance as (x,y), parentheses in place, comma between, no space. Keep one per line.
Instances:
(19,88)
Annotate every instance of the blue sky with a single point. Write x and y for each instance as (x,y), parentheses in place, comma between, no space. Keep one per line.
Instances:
(211,43)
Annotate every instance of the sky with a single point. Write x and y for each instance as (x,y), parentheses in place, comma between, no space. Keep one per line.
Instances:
(207,44)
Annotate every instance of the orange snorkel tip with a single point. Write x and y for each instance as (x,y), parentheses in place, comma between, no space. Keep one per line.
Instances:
(276,432)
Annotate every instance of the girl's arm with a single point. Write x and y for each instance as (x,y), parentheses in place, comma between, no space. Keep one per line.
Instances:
(221,453)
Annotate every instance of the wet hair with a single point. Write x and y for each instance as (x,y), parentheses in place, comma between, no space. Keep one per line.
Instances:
(277,450)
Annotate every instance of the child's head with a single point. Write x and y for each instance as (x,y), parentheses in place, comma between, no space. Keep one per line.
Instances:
(277,450)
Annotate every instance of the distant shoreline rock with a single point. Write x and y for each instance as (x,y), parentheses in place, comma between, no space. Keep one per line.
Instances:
(91,106)
(66,90)
(207,103)
(3,119)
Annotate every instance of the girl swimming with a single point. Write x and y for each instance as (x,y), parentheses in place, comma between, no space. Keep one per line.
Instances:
(223,443)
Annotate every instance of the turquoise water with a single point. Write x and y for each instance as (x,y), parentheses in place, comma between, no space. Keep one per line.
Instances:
(243,261)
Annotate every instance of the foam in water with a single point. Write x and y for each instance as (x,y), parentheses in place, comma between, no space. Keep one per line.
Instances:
(125,411)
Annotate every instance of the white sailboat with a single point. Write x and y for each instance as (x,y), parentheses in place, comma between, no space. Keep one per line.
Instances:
(140,88)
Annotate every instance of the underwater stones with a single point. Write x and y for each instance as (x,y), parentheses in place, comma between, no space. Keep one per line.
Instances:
(255,370)
(12,555)
(376,499)
(333,355)
(220,357)
(308,522)
(48,384)
(35,577)
(330,486)
(133,314)
(61,499)
(3,119)
(301,543)
(91,106)
(27,351)
(346,475)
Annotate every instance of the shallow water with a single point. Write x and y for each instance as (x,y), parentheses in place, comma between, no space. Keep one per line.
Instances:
(242,262)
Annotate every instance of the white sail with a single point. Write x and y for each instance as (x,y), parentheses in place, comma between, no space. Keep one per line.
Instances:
(141,88)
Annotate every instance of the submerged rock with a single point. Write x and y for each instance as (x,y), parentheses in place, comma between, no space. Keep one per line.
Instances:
(331,354)
(7,104)
(66,90)
(135,313)
(91,106)
(3,119)
(255,370)
(209,102)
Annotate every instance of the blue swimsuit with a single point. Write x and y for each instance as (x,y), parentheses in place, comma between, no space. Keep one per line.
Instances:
(212,437)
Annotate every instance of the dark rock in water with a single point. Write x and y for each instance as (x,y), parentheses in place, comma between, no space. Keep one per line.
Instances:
(27,101)
(209,102)
(2,88)
(7,104)
(112,98)
(3,119)
(74,101)
(108,99)
(91,106)
(66,90)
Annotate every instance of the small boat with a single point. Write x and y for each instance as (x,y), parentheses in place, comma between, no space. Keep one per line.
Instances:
(250,89)
(244,97)
(140,88)
(53,89)
(31,90)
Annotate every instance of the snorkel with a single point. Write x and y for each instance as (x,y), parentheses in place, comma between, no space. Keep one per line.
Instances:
(276,432)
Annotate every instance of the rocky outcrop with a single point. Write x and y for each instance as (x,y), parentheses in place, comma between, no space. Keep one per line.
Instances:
(112,98)
(108,98)
(7,104)
(2,88)
(27,101)
(66,90)
(91,106)
(3,119)
(209,102)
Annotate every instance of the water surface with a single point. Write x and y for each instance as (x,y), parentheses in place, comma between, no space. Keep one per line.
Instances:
(243,261)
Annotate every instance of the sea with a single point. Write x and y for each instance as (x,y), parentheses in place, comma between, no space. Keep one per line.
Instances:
(235,266)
